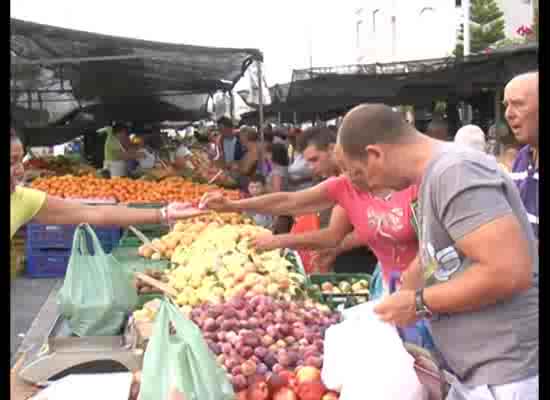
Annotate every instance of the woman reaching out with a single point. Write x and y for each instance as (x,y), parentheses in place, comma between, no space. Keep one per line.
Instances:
(28,204)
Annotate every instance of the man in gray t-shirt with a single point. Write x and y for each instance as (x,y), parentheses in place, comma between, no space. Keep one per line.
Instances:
(476,277)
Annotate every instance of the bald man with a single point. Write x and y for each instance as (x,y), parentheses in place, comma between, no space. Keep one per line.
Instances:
(521,99)
(471,136)
(476,276)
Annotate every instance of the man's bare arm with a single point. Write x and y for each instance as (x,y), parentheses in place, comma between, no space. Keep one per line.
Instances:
(502,268)
(413,278)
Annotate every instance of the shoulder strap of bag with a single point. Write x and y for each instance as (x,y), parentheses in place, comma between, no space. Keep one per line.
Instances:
(82,231)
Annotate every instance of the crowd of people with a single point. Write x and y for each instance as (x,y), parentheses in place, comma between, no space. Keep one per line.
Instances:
(454,227)
(452,230)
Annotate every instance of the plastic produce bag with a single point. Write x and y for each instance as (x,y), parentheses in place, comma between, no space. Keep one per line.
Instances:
(383,371)
(97,293)
(180,359)
(376,287)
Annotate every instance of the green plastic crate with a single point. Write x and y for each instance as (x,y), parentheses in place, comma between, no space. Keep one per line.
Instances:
(337,299)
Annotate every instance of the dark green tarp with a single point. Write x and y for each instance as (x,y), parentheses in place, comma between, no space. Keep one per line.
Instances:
(59,71)
(328,91)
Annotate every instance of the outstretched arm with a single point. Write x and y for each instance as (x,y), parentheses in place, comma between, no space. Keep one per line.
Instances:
(282,203)
(59,211)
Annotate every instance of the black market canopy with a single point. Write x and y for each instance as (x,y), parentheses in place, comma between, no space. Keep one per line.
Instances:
(328,91)
(62,70)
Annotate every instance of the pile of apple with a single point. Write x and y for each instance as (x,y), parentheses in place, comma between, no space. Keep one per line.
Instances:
(303,384)
(255,337)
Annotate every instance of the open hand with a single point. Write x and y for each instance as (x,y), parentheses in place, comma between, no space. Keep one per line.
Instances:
(324,259)
(177,211)
(215,201)
(266,242)
(398,309)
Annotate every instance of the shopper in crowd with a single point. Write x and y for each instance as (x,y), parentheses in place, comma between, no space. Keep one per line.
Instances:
(182,156)
(28,204)
(477,272)
(317,146)
(230,146)
(381,220)
(471,136)
(508,155)
(264,168)
(300,174)
(248,164)
(521,99)
(257,187)
(280,136)
(277,181)
(438,129)
(149,154)
(213,148)
(117,150)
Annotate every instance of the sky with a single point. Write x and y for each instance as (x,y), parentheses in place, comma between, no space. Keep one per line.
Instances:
(281,30)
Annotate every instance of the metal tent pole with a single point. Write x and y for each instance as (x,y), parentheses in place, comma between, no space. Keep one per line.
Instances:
(231,105)
(466,10)
(260,109)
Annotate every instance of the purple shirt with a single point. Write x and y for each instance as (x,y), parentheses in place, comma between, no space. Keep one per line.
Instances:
(526,176)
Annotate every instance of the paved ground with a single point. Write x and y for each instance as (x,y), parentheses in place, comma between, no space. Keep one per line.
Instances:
(27,298)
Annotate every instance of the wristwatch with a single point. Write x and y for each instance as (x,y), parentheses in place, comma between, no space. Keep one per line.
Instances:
(422,310)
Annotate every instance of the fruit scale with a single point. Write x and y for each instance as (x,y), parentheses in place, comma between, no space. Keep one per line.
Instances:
(63,353)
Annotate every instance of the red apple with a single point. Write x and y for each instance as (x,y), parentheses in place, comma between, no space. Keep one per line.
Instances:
(308,374)
(330,396)
(285,393)
(258,391)
(311,391)
(275,382)
(289,378)
(242,395)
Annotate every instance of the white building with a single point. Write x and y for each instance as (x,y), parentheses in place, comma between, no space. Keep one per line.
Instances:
(401,30)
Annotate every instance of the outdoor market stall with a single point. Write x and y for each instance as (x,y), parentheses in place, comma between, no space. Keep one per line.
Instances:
(262,322)
(193,308)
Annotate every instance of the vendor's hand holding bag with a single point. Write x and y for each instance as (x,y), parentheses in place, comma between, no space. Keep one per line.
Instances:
(180,360)
(97,293)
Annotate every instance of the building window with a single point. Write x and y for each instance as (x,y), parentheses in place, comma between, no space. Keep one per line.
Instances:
(375,14)
(425,10)
(458,3)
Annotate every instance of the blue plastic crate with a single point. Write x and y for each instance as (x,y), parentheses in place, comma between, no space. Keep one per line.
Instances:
(41,236)
(51,263)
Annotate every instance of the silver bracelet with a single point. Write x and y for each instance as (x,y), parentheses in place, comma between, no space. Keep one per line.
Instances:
(164,216)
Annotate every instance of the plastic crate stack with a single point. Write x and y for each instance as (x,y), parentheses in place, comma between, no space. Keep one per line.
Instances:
(48,247)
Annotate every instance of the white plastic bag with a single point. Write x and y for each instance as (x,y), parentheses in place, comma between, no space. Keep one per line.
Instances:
(106,386)
(369,359)
(336,348)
